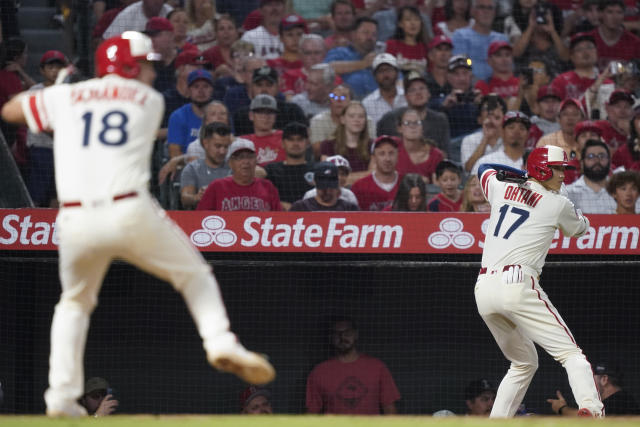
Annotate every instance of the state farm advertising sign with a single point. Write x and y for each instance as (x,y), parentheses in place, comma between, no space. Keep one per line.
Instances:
(352,232)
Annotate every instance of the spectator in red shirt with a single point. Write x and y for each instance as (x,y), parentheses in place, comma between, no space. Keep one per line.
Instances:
(502,81)
(376,191)
(352,383)
(291,28)
(416,154)
(407,43)
(615,130)
(241,191)
(628,155)
(343,14)
(448,178)
(313,51)
(180,22)
(220,54)
(411,195)
(268,141)
(612,40)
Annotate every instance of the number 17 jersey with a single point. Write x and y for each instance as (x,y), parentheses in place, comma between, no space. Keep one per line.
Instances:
(104,130)
(523,222)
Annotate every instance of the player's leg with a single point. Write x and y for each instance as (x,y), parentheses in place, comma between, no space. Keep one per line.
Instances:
(542,323)
(81,273)
(166,252)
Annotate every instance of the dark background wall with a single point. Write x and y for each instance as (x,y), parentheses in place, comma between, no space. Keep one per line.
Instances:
(416,313)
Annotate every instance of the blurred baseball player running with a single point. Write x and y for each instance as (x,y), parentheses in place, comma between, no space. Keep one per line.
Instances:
(104,132)
(524,218)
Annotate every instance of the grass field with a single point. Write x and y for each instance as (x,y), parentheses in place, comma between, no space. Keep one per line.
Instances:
(306,421)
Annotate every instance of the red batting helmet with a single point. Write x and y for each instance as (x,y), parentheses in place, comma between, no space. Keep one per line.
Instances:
(120,54)
(541,158)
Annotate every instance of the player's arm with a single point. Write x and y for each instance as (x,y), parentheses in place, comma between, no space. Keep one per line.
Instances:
(571,221)
(503,172)
(12,110)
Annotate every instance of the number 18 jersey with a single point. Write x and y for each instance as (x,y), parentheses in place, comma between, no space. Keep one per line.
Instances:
(523,221)
(104,130)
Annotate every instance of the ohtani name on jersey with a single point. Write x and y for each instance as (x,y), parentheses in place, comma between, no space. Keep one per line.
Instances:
(522,195)
(109,93)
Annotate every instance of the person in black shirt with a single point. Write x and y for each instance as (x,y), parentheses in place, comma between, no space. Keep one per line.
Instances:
(289,175)
(616,400)
(327,198)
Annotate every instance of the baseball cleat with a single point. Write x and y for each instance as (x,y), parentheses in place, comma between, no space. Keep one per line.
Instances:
(247,365)
(70,410)
(584,412)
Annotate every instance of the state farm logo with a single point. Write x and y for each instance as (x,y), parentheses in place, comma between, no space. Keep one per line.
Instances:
(451,234)
(213,231)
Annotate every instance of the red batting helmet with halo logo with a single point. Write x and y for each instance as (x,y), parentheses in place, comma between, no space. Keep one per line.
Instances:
(541,159)
(120,54)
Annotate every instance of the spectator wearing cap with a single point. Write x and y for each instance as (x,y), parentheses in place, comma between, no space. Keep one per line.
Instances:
(616,129)
(220,55)
(180,21)
(202,15)
(488,139)
(185,122)
(479,396)
(343,14)
(474,41)
(616,400)
(319,82)
(584,80)
(457,14)
(448,177)
(215,139)
(242,191)
(388,20)
(98,398)
(624,187)
(291,29)
(327,191)
(461,101)
(234,91)
(160,30)
(344,169)
(628,155)
(265,82)
(439,54)
(388,96)
(289,175)
(434,124)
(353,62)
(586,130)
(515,130)
(351,140)
(135,16)
(255,401)
(376,191)
(502,81)
(267,140)
(40,179)
(266,37)
(366,380)
(547,107)
(589,192)
(416,154)
(613,41)
(313,52)
(407,43)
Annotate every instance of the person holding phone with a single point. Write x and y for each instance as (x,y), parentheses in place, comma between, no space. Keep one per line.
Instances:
(98,398)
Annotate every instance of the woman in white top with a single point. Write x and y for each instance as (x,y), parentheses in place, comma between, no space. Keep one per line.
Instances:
(457,13)
(201,31)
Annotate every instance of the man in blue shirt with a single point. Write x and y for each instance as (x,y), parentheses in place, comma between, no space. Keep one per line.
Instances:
(185,122)
(353,63)
(474,41)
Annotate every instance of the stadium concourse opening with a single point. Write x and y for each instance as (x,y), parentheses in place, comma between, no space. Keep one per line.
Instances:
(414,312)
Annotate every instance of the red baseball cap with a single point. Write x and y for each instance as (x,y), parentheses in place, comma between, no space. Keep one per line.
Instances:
(190,57)
(393,140)
(578,37)
(251,392)
(547,91)
(157,24)
(438,40)
(621,95)
(293,21)
(571,101)
(516,116)
(497,45)
(53,56)
(587,125)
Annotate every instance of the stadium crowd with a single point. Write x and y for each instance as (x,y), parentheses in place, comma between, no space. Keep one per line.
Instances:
(369,104)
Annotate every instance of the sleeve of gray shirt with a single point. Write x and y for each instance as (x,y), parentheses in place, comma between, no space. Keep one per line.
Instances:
(189,176)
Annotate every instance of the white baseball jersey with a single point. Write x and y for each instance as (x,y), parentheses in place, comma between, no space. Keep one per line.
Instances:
(104,133)
(523,221)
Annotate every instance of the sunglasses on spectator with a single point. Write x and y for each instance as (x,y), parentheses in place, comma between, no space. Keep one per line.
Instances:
(412,123)
(337,97)
(599,156)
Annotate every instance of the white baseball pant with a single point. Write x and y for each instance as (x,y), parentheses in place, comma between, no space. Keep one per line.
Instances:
(137,230)
(519,314)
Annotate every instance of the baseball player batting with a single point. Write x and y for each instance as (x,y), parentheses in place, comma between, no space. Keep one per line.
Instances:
(524,218)
(104,130)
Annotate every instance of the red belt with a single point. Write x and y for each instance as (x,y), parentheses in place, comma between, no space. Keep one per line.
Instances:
(483,270)
(76,204)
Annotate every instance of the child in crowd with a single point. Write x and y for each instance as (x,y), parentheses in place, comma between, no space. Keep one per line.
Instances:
(448,178)
(407,44)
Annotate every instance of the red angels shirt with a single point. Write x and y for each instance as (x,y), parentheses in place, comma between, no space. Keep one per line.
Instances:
(612,137)
(281,64)
(292,81)
(442,204)
(623,157)
(372,197)
(408,57)
(426,168)
(361,387)
(504,88)
(625,49)
(535,133)
(268,148)
(226,195)
(571,85)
